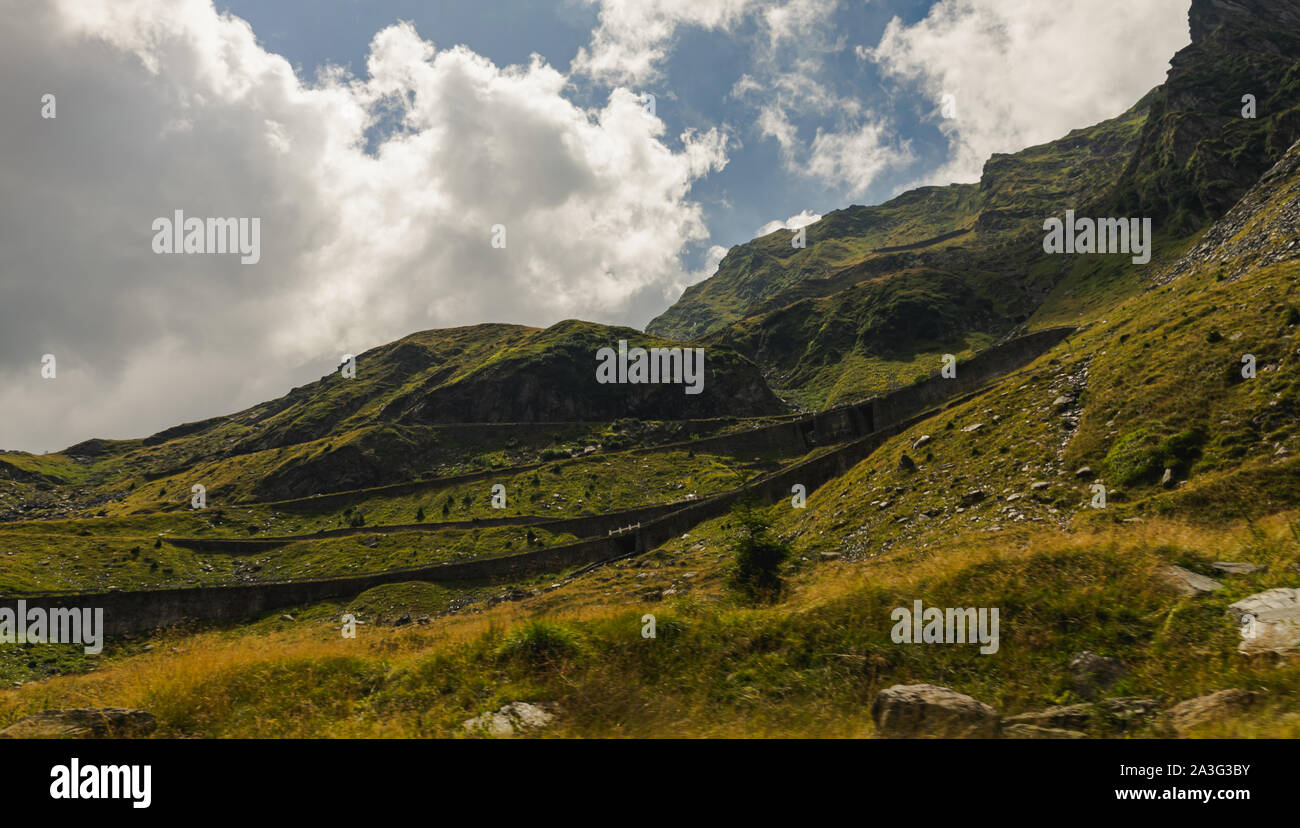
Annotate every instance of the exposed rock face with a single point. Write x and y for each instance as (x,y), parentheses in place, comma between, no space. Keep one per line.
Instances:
(1192,714)
(924,710)
(1197,155)
(1262,229)
(516,717)
(1207,16)
(83,723)
(1270,621)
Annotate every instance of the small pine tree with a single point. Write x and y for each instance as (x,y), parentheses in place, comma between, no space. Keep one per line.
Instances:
(419,515)
(756,573)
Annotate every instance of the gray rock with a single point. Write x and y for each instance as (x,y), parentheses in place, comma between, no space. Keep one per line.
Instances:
(1083,472)
(1112,715)
(1039,485)
(1270,621)
(1126,711)
(1024,731)
(1234,568)
(924,710)
(1192,714)
(83,723)
(1090,672)
(1188,582)
(829,556)
(921,441)
(1167,479)
(1071,717)
(516,717)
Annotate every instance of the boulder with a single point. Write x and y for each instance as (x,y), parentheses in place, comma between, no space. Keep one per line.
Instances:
(924,710)
(1090,673)
(1188,582)
(1270,621)
(516,717)
(1192,714)
(83,723)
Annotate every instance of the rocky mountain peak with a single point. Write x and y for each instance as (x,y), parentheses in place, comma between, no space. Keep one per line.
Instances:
(1207,16)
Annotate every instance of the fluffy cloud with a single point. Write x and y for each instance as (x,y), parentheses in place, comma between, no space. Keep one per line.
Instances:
(853,159)
(1022,72)
(805,218)
(633,37)
(165,105)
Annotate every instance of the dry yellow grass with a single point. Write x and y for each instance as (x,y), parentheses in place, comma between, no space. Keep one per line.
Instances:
(805,667)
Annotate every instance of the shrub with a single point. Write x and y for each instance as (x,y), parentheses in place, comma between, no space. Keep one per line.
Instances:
(541,643)
(756,573)
(1142,455)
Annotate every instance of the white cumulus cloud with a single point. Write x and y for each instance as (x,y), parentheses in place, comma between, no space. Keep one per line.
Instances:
(166,105)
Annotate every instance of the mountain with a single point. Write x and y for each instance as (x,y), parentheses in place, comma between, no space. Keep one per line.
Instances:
(1198,155)
(915,228)
(881,293)
(389,422)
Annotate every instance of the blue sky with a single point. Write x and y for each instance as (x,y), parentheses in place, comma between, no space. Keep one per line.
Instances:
(694,90)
